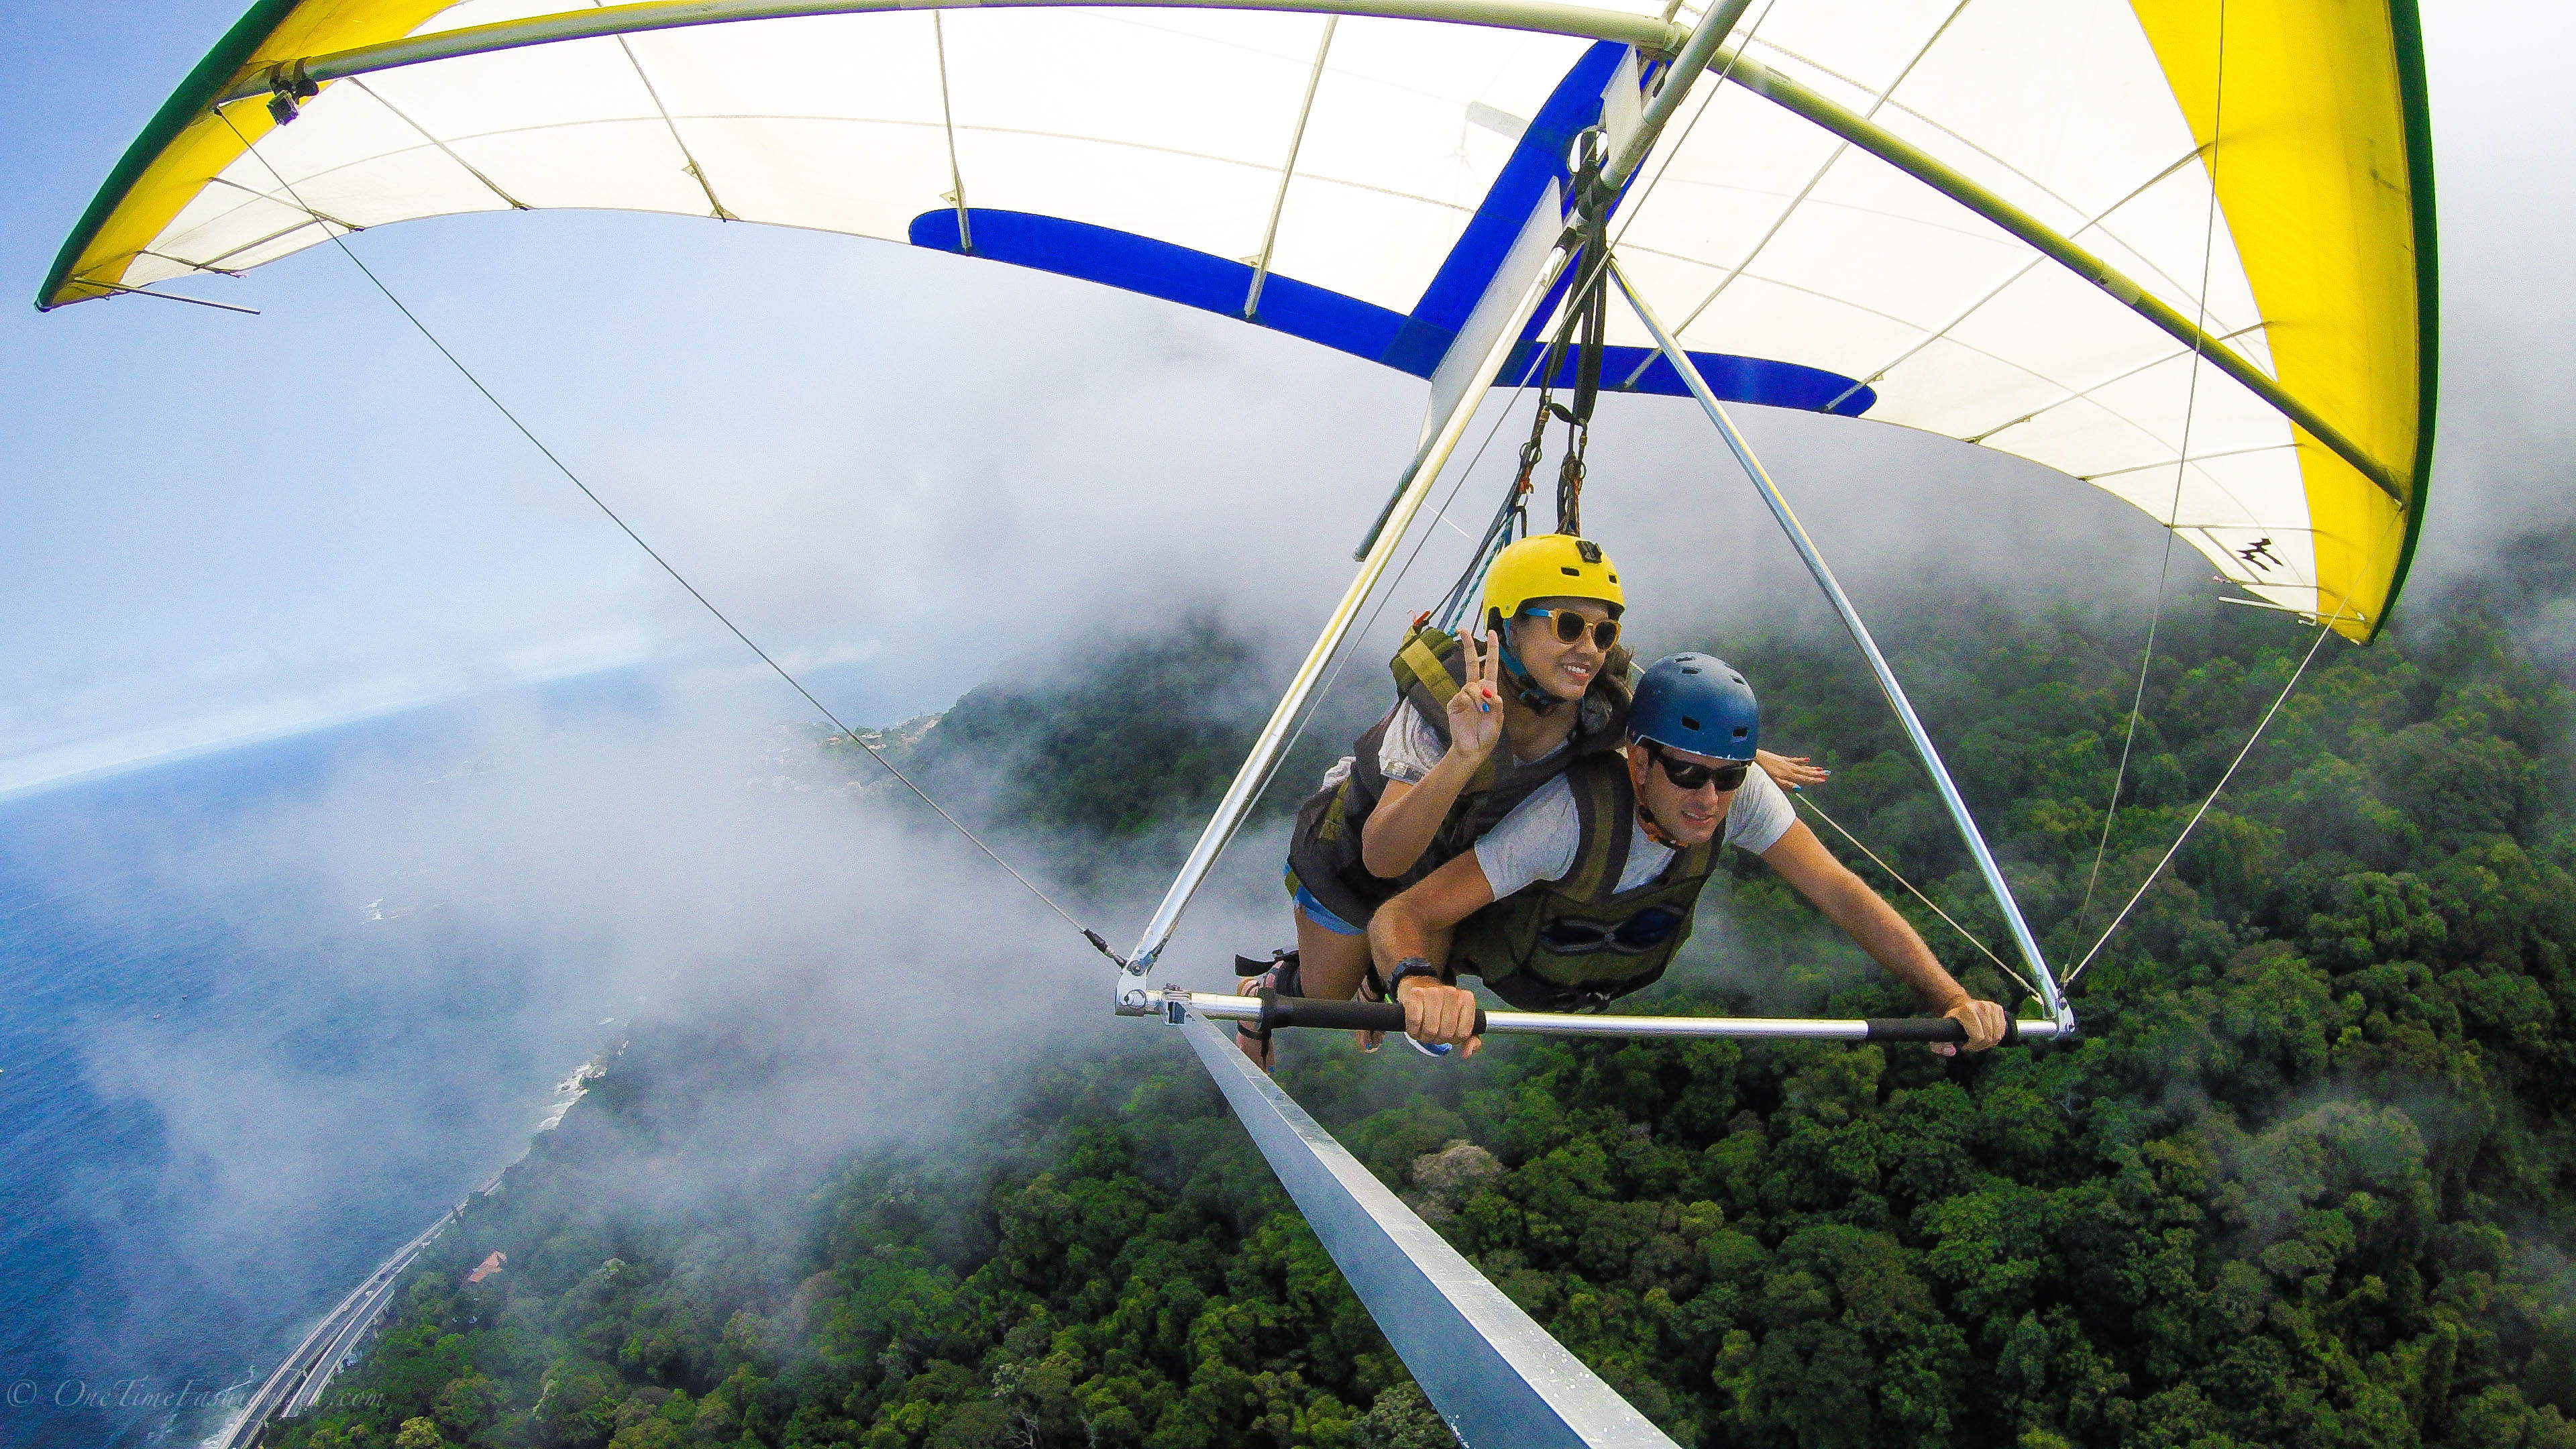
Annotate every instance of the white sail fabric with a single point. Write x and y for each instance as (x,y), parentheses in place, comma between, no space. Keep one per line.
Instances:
(1148,146)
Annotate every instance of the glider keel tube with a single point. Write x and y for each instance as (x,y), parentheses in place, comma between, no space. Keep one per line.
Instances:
(1493,1374)
(2049,996)
(1277,1012)
(1133,995)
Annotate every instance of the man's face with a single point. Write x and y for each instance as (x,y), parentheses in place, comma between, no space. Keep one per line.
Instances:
(1690,817)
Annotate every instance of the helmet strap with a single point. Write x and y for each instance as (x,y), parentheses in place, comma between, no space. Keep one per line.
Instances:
(1524,688)
(1640,751)
(1654,832)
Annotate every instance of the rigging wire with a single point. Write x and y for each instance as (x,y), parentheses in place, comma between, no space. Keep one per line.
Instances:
(1800,199)
(1707,102)
(1452,608)
(2323,629)
(1803,798)
(338,239)
(1593,279)
(2182,466)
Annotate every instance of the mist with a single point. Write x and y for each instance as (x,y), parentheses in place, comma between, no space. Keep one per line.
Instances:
(451,929)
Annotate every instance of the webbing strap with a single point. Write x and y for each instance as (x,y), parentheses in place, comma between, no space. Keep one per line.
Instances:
(1602,856)
(1419,664)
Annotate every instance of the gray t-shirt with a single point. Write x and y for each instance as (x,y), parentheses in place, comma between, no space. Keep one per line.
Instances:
(1537,841)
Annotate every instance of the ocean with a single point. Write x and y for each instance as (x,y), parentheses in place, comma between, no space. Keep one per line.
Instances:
(229,1088)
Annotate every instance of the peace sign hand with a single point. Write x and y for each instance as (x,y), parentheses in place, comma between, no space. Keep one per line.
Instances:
(1476,710)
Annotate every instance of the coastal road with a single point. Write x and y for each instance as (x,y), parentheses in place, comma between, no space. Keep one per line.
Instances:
(301,1378)
(300,1381)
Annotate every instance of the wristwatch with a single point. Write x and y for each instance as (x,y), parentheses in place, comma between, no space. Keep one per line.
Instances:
(1413,966)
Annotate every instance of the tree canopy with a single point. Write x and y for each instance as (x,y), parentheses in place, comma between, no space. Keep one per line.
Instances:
(2308,1177)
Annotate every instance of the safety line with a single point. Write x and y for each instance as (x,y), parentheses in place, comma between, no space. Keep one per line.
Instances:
(2182,469)
(1088,934)
(1707,101)
(1540,374)
(1802,798)
(2107,932)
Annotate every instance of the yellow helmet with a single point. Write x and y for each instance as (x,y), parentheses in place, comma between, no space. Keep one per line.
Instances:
(1550,566)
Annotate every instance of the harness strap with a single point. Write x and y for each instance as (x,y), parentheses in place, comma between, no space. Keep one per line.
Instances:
(1601,856)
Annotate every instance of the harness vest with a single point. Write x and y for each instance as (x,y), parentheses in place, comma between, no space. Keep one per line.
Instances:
(1577,942)
(1324,850)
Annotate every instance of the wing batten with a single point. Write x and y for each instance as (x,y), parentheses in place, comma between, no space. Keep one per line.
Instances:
(1933,172)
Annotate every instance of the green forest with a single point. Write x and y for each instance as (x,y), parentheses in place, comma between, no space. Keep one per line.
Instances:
(2308,1176)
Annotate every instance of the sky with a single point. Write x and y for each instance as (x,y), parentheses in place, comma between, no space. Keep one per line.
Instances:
(893,469)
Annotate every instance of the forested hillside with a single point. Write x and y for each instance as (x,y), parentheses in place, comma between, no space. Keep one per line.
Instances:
(2307,1178)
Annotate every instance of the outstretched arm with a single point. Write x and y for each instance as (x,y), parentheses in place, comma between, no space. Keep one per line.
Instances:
(1847,901)
(1417,923)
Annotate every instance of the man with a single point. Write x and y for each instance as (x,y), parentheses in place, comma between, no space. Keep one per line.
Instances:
(1585,890)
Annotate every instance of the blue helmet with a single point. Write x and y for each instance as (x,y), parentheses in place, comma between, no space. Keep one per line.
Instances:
(1698,703)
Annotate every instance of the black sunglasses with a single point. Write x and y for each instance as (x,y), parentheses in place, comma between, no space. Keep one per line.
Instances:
(1570,626)
(1726,774)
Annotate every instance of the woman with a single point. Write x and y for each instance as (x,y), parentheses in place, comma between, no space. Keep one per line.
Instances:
(1479,725)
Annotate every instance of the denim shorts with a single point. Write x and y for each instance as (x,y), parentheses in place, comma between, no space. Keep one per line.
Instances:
(1314,908)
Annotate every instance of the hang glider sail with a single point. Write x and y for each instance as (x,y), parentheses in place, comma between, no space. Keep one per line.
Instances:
(2179,250)
(1990,220)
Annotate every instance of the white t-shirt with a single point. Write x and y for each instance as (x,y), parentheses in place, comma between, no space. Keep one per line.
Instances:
(1538,840)
(1411,747)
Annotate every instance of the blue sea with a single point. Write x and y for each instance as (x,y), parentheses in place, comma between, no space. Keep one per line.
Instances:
(228,1088)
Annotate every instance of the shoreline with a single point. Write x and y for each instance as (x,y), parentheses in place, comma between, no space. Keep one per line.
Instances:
(296,1386)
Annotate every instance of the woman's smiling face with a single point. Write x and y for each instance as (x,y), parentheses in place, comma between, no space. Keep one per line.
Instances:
(1564,669)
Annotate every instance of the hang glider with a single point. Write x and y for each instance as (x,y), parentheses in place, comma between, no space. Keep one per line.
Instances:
(2179,250)
(1990,220)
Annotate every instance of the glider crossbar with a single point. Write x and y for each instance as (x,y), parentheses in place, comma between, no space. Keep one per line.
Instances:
(1650,34)
(1493,1373)
(1808,554)
(1288,1011)
(1646,32)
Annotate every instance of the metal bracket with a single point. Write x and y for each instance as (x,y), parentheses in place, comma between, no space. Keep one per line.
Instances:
(1134,997)
(288,88)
